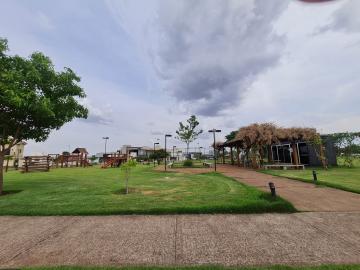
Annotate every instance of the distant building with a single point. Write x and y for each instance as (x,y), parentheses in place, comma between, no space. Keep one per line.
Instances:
(136,151)
(17,155)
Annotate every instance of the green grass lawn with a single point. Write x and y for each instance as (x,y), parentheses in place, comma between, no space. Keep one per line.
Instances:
(324,267)
(95,191)
(337,177)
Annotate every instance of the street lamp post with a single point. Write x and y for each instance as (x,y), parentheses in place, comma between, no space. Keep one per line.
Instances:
(213,131)
(155,143)
(200,150)
(166,136)
(106,139)
(104,156)
(174,150)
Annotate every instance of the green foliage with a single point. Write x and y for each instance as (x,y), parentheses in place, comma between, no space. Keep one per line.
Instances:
(319,148)
(35,98)
(188,163)
(231,135)
(347,144)
(159,154)
(188,133)
(131,163)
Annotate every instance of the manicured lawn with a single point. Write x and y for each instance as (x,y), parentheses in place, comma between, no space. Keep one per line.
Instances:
(337,177)
(325,267)
(95,191)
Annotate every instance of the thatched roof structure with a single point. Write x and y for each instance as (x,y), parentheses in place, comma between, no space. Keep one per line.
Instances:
(267,134)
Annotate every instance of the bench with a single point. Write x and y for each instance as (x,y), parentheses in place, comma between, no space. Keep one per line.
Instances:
(207,164)
(284,166)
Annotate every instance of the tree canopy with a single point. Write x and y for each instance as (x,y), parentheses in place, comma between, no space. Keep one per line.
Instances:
(189,132)
(346,145)
(35,99)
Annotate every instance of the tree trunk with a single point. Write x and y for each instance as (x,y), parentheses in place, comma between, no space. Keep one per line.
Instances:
(2,155)
(187,151)
(7,164)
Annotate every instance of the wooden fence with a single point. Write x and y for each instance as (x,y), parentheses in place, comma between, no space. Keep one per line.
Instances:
(36,164)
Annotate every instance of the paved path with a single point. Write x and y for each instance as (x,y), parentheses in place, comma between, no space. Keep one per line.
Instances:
(304,196)
(301,238)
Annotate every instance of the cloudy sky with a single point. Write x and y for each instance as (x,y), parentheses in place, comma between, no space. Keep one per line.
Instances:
(146,65)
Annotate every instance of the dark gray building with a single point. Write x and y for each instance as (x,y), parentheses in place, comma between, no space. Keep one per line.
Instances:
(303,153)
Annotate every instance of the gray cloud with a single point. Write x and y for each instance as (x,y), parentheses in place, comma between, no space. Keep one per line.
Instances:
(156,133)
(346,18)
(208,60)
(97,115)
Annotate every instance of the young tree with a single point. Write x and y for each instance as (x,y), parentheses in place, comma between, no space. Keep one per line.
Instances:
(188,133)
(126,167)
(34,99)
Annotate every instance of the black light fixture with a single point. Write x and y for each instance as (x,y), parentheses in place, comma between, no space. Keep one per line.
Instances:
(272,189)
(213,131)
(155,143)
(166,136)
(314,176)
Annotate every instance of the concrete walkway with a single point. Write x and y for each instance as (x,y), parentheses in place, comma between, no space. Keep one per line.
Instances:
(301,238)
(304,196)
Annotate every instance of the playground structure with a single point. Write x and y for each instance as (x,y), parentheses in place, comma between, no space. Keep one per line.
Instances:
(36,164)
(113,160)
(78,158)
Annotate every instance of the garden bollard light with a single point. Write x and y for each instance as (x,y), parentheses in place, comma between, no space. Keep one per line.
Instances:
(272,189)
(314,176)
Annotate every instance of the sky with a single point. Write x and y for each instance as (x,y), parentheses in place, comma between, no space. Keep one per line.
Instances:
(146,65)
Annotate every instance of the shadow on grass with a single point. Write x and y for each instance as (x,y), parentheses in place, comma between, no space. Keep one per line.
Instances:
(9,192)
(122,191)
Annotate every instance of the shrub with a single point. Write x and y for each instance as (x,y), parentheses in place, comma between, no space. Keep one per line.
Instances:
(188,163)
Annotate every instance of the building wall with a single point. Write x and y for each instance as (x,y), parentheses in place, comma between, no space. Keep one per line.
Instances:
(17,152)
(329,153)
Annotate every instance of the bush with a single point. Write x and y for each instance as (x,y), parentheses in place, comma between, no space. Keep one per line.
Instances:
(188,163)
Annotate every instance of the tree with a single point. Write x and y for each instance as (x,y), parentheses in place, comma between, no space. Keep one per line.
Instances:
(159,155)
(345,144)
(34,99)
(231,135)
(188,133)
(126,167)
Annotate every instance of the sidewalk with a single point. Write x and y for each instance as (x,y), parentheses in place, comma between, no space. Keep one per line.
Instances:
(304,196)
(302,238)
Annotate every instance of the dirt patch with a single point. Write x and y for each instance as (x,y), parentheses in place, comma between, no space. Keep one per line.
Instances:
(185,170)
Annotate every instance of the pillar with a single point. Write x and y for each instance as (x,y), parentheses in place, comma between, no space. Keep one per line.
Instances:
(231,155)
(237,155)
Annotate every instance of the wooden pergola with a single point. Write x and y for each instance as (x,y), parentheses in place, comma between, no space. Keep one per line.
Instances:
(234,143)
